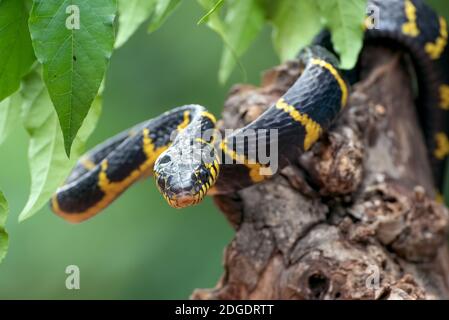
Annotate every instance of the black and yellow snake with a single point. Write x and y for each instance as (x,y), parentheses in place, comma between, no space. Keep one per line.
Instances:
(192,164)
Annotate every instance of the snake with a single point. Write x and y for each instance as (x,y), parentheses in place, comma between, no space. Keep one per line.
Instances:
(188,164)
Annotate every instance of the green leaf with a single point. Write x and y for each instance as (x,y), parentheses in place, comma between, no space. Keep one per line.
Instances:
(16,51)
(74,59)
(163,10)
(244,21)
(3,234)
(131,15)
(295,24)
(9,115)
(48,162)
(215,23)
(345,18)
(215,8)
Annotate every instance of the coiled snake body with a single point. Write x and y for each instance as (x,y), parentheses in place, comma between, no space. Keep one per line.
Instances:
(192,164)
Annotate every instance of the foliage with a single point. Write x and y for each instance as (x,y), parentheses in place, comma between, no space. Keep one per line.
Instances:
(9,114)
(16,53)
(74,54)
(294,23)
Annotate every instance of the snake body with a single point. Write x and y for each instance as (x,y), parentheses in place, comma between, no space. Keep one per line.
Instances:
(187,164)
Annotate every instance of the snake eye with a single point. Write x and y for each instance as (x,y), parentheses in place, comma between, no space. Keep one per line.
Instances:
(165,159)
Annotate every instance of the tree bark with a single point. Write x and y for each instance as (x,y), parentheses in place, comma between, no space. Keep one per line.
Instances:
(355,217)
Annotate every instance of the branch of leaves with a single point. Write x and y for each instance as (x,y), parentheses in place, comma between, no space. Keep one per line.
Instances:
(51,69)
(239,22)
(294,24)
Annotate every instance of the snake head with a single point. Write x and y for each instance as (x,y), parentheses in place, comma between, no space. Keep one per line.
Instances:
(185,172)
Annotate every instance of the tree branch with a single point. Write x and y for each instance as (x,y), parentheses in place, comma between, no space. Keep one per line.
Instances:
(355,209)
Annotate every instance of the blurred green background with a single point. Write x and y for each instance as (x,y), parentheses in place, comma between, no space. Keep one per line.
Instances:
(138,248)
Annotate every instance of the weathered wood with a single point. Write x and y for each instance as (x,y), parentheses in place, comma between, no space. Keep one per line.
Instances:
(355,209)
